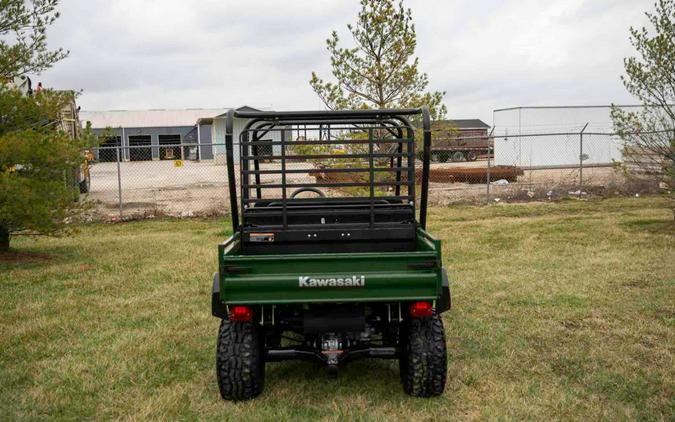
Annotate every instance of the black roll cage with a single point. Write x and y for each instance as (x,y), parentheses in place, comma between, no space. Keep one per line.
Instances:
(395,122)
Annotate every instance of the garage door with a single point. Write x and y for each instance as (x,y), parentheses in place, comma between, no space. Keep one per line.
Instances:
(169,147)
(140,148)
(106,150)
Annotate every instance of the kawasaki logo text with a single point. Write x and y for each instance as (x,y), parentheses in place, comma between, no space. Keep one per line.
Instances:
(353,281)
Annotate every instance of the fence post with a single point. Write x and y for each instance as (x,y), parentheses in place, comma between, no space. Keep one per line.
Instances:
(199,142)
(487,174)
(581,159)
(119,179)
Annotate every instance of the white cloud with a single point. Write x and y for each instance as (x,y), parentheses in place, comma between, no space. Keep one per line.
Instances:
(484,54)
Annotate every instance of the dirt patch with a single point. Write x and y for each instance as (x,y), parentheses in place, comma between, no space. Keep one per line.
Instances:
(637,284)
(23,257)
(199,189)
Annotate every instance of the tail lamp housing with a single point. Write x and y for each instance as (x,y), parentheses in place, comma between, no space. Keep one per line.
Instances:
(240,313)
(421,310)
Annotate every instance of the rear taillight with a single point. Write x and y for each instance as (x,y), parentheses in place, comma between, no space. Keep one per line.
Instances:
(421,309)
(241,313)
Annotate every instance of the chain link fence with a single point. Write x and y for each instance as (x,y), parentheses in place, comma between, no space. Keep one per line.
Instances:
(127,183)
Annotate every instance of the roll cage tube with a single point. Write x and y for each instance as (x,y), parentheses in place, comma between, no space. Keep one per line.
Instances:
(266,121)
(232,184)
(271,119)
(426,125)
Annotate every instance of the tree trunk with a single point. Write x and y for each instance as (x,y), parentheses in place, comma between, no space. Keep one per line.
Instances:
(4,239)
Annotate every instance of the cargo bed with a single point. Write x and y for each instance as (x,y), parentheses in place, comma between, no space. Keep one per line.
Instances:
(330,277)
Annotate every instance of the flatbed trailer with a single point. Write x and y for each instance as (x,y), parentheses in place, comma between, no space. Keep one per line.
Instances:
(461,149)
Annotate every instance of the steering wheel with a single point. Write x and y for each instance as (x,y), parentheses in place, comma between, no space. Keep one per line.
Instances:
(308,189)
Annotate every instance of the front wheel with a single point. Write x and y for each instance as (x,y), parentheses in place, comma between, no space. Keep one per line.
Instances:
(423,361)
(240,365)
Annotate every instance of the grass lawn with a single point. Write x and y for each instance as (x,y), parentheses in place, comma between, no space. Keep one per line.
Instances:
(560,311)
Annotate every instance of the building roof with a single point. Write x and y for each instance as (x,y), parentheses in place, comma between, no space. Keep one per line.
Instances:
(152,118)
(147,118)
(468,123)
(244,108)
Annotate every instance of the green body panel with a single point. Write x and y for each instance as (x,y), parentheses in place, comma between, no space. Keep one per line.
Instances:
(274,279)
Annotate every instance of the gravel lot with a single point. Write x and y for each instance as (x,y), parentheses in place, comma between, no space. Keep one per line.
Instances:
(200,188)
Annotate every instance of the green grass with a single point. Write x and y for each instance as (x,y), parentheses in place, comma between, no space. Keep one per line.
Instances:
(560,311)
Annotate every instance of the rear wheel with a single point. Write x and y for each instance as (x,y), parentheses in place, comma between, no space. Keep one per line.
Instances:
(240,366)
(457,156)
(471,156)
(423,361)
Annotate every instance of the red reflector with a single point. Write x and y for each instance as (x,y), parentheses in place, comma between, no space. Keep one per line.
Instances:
(421,309)
(241,314)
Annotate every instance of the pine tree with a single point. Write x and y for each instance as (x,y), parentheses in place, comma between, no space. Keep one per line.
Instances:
(381,71)
(23,37)
(649,135)
(37,158)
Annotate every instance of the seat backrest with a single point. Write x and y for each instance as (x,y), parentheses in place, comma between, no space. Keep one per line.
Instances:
(311,226)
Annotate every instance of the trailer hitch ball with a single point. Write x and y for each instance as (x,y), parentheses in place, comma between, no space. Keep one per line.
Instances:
(332,371)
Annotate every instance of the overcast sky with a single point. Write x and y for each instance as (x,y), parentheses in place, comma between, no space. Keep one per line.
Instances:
(486,54)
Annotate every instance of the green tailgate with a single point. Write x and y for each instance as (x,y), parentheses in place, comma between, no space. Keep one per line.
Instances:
(330,277)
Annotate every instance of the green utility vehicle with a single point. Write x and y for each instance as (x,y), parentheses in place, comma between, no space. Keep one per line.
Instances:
(329,260)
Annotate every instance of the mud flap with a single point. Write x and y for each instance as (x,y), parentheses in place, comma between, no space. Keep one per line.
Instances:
(217,307)
(445,301)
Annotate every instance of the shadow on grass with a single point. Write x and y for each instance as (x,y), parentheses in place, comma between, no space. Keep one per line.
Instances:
(23,257)
(651,225)
(367,375)
(31,257)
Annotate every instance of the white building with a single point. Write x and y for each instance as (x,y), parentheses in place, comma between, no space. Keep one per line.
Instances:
(550,136)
